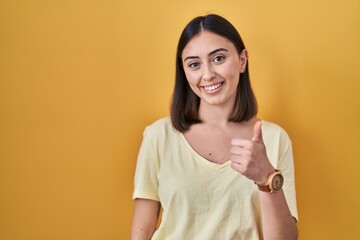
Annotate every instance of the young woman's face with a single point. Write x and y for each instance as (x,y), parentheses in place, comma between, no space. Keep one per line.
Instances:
(212,67)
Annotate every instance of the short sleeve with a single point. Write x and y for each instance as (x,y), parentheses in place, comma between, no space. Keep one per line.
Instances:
(286,165)
(147,166)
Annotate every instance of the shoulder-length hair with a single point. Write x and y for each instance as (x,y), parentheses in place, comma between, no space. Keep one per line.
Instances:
(185,103)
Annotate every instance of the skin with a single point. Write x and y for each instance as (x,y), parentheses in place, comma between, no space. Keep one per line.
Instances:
(145,217)
(212,66)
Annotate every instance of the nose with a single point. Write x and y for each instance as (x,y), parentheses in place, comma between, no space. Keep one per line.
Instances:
(208,72)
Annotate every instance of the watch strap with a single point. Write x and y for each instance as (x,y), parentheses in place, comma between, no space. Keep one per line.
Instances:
(266,187)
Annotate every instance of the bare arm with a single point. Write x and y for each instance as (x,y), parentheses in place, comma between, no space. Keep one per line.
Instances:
(250,159)
(278,222)
(145,217)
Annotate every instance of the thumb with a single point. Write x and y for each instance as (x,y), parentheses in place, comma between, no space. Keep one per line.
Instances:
(257,133)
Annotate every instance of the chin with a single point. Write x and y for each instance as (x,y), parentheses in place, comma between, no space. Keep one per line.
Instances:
(214,102)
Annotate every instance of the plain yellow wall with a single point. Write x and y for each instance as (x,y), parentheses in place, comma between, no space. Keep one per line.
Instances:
(79,80)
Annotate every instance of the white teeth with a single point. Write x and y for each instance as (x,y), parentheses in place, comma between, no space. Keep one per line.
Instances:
(212,87)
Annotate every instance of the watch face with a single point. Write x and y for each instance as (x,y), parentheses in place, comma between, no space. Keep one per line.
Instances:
(277,182)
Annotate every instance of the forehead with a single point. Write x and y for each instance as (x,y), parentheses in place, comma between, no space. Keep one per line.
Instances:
(205,42)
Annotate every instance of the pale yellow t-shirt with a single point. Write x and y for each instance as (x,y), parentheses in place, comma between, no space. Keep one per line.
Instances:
(202,200)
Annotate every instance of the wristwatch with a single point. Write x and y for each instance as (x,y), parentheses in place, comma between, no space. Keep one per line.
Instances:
(274,182)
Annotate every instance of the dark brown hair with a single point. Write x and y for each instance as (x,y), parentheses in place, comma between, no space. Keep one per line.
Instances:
(185,103)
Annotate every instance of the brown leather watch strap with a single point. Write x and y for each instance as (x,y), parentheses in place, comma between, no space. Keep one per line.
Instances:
(266,187)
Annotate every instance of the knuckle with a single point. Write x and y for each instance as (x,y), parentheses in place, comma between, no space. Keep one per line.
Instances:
(234,150)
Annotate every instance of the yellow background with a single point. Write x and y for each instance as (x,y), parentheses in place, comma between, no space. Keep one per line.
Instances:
(79,80)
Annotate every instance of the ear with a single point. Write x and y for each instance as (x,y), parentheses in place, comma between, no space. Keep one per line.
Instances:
(243,56)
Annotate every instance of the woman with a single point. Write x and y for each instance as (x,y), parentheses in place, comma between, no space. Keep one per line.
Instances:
(215,170)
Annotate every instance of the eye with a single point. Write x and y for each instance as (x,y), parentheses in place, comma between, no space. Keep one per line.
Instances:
(218,59)
(193,65)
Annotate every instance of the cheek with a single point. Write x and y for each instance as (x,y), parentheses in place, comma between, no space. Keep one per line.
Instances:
(192,78)
(193,82)
(232,72)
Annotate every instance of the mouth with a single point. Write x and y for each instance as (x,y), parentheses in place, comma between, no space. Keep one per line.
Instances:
(213,88)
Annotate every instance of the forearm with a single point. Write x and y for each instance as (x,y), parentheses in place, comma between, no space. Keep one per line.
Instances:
(278,223)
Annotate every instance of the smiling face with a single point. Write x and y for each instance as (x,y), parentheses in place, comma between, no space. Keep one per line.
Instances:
(212,67)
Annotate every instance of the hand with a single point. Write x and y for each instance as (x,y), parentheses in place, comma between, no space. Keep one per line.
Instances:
(249,158)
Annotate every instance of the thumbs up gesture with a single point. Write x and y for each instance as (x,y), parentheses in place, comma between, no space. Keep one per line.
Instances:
(249,158)
(257,133)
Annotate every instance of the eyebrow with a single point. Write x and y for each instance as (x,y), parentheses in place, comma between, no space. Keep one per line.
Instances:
(209,54)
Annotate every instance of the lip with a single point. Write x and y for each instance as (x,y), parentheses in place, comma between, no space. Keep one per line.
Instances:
(213,88)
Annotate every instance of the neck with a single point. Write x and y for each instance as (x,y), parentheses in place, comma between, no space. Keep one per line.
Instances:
(215,114)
